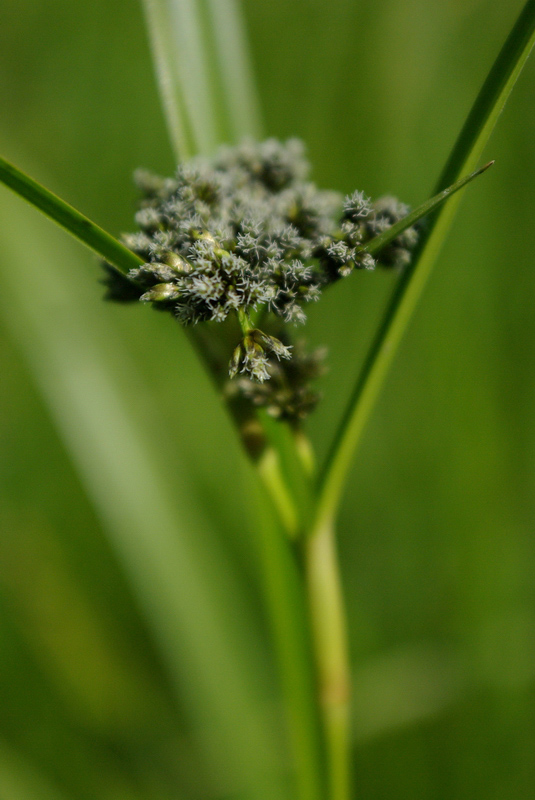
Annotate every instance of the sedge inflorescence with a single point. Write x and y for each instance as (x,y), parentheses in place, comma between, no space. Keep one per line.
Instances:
(246,234)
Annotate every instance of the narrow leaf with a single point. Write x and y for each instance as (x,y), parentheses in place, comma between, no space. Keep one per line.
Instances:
(182,60)
(164,57)
(22,779)
(383,239)
(80,226)
(465,155)
(176,567)
(492,97)
(233,64)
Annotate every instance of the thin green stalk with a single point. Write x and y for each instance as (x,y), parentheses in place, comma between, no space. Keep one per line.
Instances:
(270,472)
(465,155)
(328,625)
(69,218)
(288,616)
(293,469)
(204,73)
(305,452)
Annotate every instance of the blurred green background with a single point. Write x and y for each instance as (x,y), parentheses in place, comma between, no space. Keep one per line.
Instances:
(135,655)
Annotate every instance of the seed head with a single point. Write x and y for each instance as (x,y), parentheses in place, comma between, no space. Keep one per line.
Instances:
(246,231)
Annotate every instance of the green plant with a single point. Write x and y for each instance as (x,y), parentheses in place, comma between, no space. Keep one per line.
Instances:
(285,464)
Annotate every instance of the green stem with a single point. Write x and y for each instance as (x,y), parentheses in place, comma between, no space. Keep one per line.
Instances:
(269,469)
(69,218)
(234,74)
(245,321)
(305,453)
(288,614)
(328,624)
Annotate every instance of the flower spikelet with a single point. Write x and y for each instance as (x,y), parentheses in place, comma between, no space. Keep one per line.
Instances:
(244,233)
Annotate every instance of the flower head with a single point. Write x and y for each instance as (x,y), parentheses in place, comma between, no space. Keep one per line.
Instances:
(246,232)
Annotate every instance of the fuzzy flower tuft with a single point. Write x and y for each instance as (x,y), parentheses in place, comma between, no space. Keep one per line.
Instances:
(246,232)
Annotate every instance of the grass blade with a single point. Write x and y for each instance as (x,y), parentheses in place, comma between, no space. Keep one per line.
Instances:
(201,59)
(233,67)
(492,97)
(182,61)
(383,239)
(80,226)
(180,575)
(465,155)
(171,96)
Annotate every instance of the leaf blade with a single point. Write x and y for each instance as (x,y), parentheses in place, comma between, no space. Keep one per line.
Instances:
(177,570)
(171,96)
(233,65)
(465,154)
(67,217)
(383,239)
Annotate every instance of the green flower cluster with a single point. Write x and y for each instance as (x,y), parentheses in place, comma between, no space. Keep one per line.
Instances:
(245,233)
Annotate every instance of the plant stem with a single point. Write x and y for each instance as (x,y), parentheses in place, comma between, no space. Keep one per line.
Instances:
(328,625)
(269,469)
(232,60)
(245,321)
(288,616)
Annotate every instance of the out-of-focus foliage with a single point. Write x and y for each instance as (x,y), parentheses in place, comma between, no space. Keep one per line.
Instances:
(135,660)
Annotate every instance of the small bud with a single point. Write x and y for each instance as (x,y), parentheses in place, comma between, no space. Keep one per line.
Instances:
(357,206)
(251,347)
(202,236)
(346,269)
(366,261)
(235,361)
(176,262)
(160,293)
(271,344)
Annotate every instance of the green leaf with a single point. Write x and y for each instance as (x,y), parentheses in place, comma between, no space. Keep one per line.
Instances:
(193,603)
(165,55)
(232,69)
(69,218)
(202,63)
(21,779)
(383,239)
(465,155)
